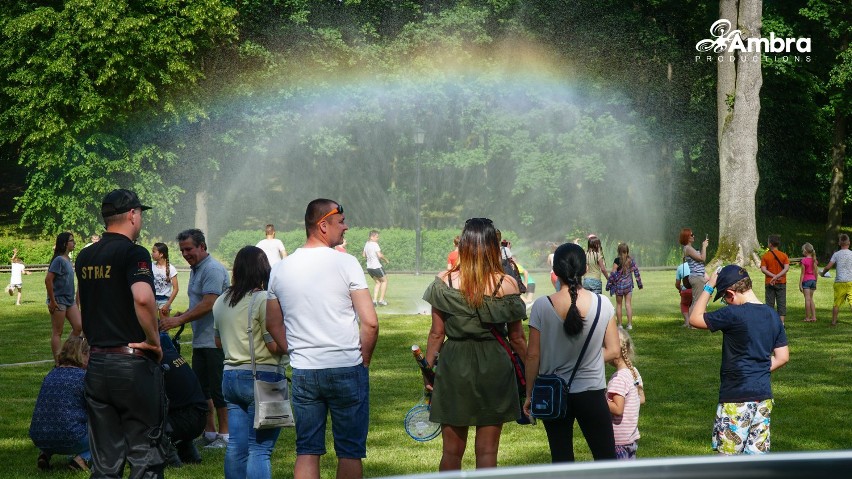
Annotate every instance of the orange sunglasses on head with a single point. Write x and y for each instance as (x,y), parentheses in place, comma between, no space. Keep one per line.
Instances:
(338,210)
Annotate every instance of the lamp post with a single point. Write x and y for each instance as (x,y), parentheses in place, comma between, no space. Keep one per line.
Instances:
(419,138)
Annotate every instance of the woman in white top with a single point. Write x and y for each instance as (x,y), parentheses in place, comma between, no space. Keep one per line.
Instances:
(165,278)
(559,326)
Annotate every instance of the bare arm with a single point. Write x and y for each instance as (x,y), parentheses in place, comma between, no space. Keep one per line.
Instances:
(48,285)
(199,310)
(641,390)
(616,404)
(611,344)
(517,339)
(780,357)
(688,250)
(363,303)
(168,306)
(532,363)
(696,315)
(275,326)
(146,313)
(827,267)
(436,337)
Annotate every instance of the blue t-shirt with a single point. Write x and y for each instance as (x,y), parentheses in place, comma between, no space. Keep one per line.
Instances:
(63,281)
(751,332)
(206,277)
(682,272)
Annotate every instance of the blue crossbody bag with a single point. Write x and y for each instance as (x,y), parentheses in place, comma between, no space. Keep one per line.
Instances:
(550,392)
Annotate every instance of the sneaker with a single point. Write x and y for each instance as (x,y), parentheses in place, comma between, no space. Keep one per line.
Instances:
(217,443)
(383,303)
(629,327)
(375,303)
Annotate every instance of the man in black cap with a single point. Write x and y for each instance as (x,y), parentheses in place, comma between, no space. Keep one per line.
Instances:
(124,381)
(753,345)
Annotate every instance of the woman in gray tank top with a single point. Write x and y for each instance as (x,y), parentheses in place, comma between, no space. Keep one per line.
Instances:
(559,326)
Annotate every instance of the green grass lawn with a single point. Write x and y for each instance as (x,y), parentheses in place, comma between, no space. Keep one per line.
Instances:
(680,368)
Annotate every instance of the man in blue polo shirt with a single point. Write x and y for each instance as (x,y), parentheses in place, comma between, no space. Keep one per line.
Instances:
(208,279)
(753,345)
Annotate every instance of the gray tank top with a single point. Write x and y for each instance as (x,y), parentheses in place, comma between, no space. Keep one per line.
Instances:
(559,352)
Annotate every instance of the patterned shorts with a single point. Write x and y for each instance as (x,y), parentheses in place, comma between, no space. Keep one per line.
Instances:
(742,428)
(626,452)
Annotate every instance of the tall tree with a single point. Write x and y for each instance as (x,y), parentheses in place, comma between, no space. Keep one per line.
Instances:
(738,109)
(87,87)
(835,18)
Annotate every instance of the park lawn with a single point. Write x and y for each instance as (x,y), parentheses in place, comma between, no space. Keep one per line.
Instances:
(679,366)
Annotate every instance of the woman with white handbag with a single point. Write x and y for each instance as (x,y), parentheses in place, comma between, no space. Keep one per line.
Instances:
(248,358)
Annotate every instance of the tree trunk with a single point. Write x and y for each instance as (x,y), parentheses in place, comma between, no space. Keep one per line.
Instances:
(738,107)
(838,186)
(201,212)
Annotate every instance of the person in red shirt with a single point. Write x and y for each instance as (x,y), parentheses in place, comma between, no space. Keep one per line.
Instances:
(774,265)
(453,257)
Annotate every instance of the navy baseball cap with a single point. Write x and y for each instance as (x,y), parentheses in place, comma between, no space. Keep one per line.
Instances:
(120,201)
(729,276)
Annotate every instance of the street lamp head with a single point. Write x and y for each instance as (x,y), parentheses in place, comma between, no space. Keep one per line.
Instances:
(419,136)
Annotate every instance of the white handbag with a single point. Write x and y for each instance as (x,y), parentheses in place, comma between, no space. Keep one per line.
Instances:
(271,399)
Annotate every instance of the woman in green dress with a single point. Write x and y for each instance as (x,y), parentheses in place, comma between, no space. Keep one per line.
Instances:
(475,385)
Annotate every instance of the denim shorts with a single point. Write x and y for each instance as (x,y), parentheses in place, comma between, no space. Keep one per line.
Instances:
(345,392)
(809,284)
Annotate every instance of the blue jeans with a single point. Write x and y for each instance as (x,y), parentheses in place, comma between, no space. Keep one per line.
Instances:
(345,393)
(249,450)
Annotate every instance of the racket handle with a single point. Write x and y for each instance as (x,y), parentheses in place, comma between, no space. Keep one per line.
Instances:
(427,372)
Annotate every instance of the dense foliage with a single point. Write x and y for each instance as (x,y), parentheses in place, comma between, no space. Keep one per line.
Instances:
(554,118)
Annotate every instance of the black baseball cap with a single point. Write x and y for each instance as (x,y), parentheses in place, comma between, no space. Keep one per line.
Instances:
(727,277)
(120,201)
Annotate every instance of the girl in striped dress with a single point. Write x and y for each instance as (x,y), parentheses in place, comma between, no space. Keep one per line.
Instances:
(625,393)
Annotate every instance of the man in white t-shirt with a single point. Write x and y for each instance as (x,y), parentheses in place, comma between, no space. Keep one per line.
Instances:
(842,258)
(319,311)
(273,248)
(16,282)
(373,253)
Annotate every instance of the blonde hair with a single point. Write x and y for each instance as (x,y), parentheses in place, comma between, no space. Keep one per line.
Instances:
(624,255)
(808,250)
(72,352)
(627,351)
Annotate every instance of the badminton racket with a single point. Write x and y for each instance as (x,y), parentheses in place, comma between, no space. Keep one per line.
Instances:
(417,423)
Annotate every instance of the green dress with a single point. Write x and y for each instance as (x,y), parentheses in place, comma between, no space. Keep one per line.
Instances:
(475,379)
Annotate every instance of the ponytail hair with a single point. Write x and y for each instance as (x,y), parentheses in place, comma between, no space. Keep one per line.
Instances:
(163,249)
(624,256)
(569,265)
(627,352)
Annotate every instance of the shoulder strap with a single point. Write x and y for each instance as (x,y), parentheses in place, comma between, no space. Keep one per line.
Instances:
(251,336)
(450,279)
(586,344)
(519,372)
(776,259)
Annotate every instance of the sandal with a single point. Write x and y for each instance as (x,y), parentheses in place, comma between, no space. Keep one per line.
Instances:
(43,461)
(78,464)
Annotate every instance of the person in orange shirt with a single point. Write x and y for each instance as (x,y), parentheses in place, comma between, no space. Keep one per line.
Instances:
(774,265)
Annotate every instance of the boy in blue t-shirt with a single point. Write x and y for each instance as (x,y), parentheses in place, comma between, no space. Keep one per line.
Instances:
(754,344)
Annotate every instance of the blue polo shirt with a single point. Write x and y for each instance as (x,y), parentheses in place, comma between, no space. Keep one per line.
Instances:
(206,277)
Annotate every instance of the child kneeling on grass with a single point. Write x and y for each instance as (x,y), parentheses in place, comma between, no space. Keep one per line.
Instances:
(753,345)
(624,394)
